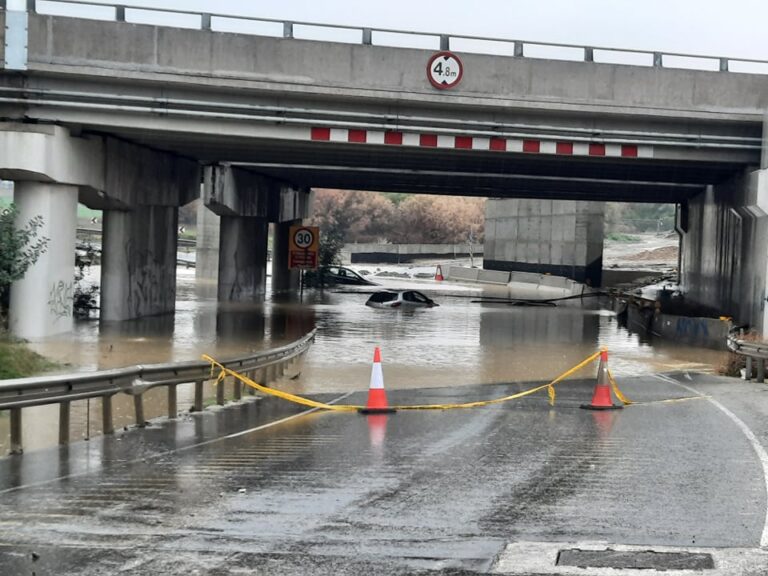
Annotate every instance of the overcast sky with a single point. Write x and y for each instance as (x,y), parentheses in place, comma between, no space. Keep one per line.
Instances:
(730,28)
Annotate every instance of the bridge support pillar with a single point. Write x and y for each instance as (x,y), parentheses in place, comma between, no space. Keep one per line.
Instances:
(42,301)
(283,279)
(724,249)
(138,270)
(242,259)
(141,195)
(559,237)
(246,203)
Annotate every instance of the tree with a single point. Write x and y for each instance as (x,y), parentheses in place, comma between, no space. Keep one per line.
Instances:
(358,216)
(19,249)
(427,219)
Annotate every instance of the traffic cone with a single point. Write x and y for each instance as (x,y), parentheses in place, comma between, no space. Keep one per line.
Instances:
(439,274)
(601,398)
(377,398)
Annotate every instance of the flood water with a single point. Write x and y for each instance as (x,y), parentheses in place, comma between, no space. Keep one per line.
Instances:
(461,342)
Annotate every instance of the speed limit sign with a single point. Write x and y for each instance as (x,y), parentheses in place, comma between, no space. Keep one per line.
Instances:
(303,238)
(444,70)
(303,247)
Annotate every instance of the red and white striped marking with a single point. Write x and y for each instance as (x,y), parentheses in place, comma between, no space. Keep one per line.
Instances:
(496,144)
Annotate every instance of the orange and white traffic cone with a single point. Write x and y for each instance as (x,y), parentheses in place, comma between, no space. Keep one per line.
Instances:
(601,398)
(377,398)
(439,273)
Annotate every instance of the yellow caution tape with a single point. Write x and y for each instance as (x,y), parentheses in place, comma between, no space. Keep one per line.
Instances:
(550,387)
(224,372)
(623,399)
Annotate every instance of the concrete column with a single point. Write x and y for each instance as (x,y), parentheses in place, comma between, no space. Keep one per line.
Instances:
(283,279)
(559,237)
(243,258)
(41,302)
(724,246)
(138,270)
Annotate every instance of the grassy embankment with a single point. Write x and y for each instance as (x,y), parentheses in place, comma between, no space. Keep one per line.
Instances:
(18,361)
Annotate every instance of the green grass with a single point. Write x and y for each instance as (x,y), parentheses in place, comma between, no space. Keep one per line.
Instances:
(18,361)
(621,237)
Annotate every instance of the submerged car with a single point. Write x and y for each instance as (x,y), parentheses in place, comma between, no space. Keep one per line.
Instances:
(400,298)
(342,275)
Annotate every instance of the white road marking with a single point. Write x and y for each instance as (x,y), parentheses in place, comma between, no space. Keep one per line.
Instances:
(762,455)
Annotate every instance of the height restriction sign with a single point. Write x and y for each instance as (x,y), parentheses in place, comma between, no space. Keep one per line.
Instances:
(444,70)
(302,247)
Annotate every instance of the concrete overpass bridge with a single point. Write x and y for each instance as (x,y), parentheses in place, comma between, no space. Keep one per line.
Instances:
(127,117)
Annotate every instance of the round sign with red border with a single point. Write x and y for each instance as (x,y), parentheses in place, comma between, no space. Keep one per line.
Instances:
(444,70)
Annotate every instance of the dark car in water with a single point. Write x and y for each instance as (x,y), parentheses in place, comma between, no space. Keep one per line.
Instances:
(343,275)
(400,298)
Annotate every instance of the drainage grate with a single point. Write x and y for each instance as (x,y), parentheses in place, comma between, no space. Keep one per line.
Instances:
(640,560)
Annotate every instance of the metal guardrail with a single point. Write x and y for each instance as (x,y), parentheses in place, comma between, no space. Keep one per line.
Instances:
(754,352)
(264,366)
(122,13)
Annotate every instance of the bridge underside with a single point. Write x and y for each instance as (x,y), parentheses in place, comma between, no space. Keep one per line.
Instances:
(454,172)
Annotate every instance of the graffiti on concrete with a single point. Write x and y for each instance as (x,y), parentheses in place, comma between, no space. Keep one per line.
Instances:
(60,299)
(691,328)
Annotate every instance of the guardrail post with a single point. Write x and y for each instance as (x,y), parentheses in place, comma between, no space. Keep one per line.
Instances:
(64,412)
(748,369)
(589,55)
(723,64)
(237,389)
(518,52)
(367,36)
(287,29)
(172,403)
(251,389)
(31,6)
(120,13)
(106,415)
(205,21)
(445,42)
(220,392)
(658,60)
(198,407)
(138,404)
(16,446)
(760,370)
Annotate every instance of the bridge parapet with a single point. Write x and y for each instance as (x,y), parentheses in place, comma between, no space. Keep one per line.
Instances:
(367,35)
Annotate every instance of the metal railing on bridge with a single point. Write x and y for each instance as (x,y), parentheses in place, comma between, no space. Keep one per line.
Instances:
(204,20)
(755,352)
(264,367)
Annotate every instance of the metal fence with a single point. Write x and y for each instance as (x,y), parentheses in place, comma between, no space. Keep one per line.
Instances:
(15,394)
(755,353)
(384,36)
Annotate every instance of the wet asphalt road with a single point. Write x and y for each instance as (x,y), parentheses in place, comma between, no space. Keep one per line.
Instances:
(262,488)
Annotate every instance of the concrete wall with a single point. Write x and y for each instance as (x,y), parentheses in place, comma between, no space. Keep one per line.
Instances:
(558,237)
(396,253)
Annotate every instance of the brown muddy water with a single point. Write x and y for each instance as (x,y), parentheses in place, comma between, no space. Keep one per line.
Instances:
(460,342)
